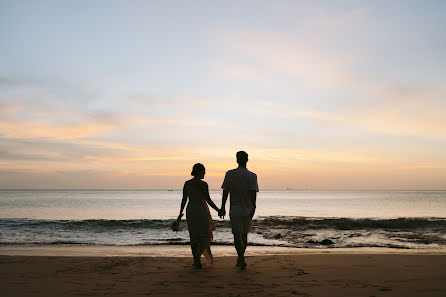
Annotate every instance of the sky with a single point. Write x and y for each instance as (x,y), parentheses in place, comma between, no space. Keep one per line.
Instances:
(131,94)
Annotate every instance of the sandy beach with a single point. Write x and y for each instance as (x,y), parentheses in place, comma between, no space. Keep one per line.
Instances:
(305,274)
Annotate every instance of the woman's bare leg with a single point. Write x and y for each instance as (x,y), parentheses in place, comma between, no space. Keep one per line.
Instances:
(195,246)
(208,254)
(204,246)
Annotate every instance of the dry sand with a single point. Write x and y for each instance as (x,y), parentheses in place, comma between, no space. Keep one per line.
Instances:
(278,275)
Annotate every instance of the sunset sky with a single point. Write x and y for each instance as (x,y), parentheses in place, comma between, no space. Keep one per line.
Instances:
(130,94)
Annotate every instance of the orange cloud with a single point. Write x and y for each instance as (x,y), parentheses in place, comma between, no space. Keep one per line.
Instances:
(50,130)
(276,167)
(388,121)
(26,120)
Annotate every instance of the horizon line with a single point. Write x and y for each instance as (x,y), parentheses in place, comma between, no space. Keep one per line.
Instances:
(173,189)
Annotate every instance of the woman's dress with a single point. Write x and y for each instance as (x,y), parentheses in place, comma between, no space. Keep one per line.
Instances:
(199,220)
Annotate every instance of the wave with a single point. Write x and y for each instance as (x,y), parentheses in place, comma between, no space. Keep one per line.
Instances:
(274,222)
(87,224)
(311,232)
(80,243)
(352,223)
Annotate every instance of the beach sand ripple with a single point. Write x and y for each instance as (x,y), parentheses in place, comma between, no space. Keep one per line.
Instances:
(280,275)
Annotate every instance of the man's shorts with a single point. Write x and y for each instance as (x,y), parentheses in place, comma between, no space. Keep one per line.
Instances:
(240,224)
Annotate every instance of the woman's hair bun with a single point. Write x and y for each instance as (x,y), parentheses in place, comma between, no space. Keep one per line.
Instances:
(196,169)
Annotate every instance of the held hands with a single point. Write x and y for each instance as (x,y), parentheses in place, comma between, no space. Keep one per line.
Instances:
(222,213)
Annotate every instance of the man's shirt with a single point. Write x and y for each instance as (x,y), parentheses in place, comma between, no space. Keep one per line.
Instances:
(238,182)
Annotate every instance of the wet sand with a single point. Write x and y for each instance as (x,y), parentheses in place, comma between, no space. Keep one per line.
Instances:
(311,274)
(168,251)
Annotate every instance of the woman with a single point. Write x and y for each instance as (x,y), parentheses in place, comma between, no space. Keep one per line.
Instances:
(199,220)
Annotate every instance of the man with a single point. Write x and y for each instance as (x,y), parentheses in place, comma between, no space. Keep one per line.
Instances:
(241,185)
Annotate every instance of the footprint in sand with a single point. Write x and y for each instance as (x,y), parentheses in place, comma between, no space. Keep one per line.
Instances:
(297,293)
(301,272)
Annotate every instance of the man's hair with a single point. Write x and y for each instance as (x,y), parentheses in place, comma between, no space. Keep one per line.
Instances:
(242,157)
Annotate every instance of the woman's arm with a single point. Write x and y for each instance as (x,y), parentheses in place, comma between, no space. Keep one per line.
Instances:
(183,202)
(209,200)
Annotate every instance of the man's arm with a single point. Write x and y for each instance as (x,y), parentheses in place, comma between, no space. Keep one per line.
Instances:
(253,189)
(224,198)
(252,198)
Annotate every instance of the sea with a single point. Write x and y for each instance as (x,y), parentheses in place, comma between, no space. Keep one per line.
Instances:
(287,218)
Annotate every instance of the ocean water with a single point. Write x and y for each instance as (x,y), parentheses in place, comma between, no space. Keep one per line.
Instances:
(316,219)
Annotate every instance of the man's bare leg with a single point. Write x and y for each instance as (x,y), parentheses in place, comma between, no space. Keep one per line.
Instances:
(240,248)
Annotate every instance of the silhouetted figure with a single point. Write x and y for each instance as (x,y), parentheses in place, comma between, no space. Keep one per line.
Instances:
(242,186)
(199,220)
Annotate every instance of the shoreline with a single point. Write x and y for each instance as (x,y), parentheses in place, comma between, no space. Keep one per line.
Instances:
(181,251)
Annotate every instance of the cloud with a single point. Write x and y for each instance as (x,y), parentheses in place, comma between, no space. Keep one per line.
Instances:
(336,21)
(86,179)
(309,75)
(275,59)
(385,121)
(50,154)
(393,110)
(24,118)
(276,168)
(50,130)
(14,82)
(25,156)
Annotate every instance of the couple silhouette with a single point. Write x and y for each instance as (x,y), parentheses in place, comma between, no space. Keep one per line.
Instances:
(241,186)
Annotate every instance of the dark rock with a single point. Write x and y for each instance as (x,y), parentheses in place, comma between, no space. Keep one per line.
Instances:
(307,234)
(323,242)
(326,242)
